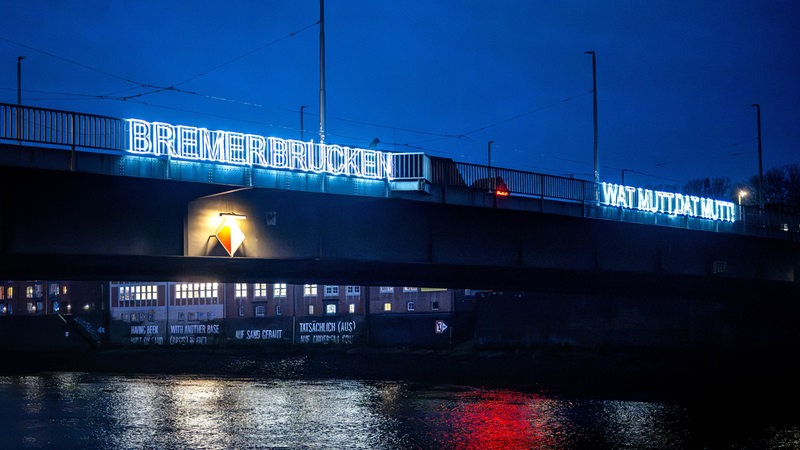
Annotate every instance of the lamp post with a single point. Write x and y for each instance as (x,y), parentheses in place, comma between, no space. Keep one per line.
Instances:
(19,80)
(19,97)
(302,128)
(489,163)
(742,194)
(594,109)
(623,175)
(321,71)
(760,164)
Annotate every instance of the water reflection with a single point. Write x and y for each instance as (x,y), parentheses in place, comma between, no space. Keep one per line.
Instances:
(640,424)
(110,412)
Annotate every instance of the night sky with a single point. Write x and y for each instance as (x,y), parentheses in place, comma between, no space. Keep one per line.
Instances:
(675,78)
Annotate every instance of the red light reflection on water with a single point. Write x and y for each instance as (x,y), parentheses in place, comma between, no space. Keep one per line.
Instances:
(500,419)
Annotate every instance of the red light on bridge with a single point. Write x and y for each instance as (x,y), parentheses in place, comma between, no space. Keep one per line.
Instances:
(502,191)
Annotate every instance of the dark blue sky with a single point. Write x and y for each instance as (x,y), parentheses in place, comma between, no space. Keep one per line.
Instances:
(675,78)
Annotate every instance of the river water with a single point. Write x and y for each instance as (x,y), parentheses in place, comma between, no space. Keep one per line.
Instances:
(84,410)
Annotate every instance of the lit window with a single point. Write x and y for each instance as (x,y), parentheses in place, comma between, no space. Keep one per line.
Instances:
(2,292)
(278,309)
(387,290)
(261,311)
(29,292)
(353,291)
(10,292)
(64,289)
(330,309)
(260,290)
(409,289)
(240,290)
(387,306)
(196,293)
(331,291)
(310,310)
(310,290)
(410,306)
(279,290)
(211,292)
(53,289)
(351,308)
(37,291)
(241,308)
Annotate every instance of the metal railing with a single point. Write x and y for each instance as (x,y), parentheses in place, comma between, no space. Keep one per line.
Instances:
(411,166)
(64,128)
(449,173)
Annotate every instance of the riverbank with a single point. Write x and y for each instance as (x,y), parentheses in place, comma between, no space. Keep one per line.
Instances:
(565,373)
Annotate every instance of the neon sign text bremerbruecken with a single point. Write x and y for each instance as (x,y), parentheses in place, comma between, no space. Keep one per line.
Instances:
(666,202)
(202,144)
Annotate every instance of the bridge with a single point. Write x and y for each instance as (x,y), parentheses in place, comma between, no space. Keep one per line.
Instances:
(94,197)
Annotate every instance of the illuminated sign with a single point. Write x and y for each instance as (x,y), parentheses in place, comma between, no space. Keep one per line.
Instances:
(202,144)
(666,202)
(229,234)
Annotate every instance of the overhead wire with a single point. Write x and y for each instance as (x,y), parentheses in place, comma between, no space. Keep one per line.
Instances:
(154,89)
(159,88)
(72,61)
(173,87)
(517,116)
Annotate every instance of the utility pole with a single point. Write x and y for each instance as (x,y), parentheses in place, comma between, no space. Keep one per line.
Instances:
(321,71)
(594,105)
(760,163)
(489,161)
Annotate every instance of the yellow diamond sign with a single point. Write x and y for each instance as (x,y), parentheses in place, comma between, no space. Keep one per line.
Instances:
(230,235)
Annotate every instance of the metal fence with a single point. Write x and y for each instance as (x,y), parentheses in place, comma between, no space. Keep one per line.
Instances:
(66,128)
(450,173)
(411,166)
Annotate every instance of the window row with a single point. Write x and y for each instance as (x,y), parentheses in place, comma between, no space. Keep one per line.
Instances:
(34,291)
(196,290)
(279,290)
(410,306)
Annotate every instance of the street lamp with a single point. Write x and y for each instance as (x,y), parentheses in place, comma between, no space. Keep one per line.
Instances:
(489,161)
(594,109)
(321,71)
(19,80)
(742,194)
(623,175)
(302,129)
(19,97)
